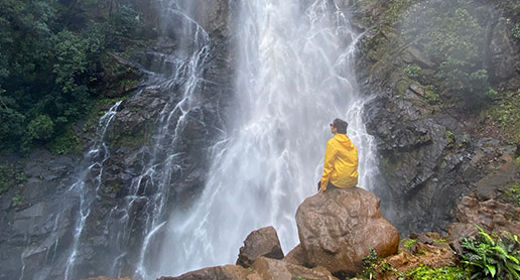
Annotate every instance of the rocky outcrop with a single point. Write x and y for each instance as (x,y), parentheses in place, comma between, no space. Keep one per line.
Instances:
(338,227)
(431,150)
(260,243)
(490,214)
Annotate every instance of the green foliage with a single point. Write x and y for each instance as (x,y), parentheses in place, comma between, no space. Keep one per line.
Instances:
(11,177)
(49,52)
(516,31)
(506,111)
(17,200)
(450,136)
(490,256)
(431,96)
(409,243)
(413,72)
(66,143)
(514,194)
(370,263)
(451,35)
(445,273)
(491,93)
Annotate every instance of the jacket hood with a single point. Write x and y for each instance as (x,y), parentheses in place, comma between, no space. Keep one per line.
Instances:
(344,140)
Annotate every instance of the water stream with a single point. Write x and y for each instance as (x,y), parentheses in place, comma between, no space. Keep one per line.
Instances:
(96,158)
(294,76)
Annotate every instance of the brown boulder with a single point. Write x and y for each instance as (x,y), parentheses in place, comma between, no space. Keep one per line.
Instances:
(270,269)
(106,278)
(263,242)
(338,227)
(492,215)
(296,256)
(226,272)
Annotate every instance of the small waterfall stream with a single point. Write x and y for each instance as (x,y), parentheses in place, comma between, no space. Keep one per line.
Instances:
(294,76)
(90,176)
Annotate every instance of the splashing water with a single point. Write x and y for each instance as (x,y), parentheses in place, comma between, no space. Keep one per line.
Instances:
(293,77)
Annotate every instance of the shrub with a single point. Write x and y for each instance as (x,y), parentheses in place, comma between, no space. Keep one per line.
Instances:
(450,35)
(490,256)
(41,128)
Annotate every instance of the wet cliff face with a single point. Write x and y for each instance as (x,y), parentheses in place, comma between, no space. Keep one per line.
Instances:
(43,227)
(434,144)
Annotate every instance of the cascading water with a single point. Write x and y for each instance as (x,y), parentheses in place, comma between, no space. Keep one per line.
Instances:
(180,74)
(294,75)
(96,158)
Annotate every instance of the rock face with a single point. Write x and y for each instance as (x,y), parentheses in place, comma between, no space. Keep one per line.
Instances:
(492,215)
(338,227)
(260,243)
(431,151)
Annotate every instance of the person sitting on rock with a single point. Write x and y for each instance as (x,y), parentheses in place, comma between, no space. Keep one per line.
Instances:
(340,168)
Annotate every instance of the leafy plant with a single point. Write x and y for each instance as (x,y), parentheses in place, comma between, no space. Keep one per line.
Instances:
(370,263)
(490,256)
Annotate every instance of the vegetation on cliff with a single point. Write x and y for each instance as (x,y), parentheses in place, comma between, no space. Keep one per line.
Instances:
(51,59)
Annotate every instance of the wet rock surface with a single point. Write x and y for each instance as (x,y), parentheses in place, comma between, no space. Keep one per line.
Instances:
(338,227)
(260,243)
(432,149)
(490,214)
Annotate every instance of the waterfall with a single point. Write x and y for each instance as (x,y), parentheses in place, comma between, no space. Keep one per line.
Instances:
(96,158)
(294,76)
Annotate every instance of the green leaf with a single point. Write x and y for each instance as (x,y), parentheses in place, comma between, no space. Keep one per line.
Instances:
(491,269)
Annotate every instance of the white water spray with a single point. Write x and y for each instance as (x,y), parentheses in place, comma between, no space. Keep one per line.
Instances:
(96,158)
(294,76)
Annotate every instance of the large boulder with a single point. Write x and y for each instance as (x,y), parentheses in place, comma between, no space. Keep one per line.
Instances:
(262,242)
(337,229)
(226,272)
(271,269)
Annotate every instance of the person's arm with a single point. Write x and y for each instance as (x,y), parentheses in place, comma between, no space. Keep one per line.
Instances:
(328,166)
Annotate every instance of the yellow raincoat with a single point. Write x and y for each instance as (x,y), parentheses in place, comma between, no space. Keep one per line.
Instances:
(341,163)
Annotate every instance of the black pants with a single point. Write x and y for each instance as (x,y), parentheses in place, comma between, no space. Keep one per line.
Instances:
(330,185)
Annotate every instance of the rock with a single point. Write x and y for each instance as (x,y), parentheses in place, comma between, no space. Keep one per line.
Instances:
(296,256)
(263,242)
(503,54)
(280,270)
(338,227)
(431,256)
(227,272)
(106,278)
(413,55)
(499,179)
(490,214)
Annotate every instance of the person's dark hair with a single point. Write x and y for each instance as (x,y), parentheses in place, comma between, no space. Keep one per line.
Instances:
(340,125)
